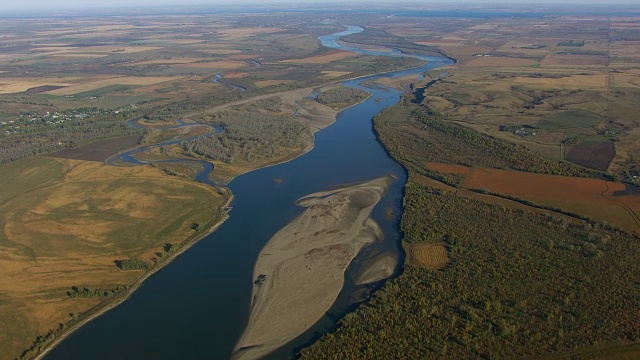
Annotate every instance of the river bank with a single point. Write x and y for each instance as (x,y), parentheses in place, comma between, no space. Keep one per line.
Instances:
(212,285)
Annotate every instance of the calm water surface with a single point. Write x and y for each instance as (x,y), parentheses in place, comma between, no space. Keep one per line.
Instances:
(197,306)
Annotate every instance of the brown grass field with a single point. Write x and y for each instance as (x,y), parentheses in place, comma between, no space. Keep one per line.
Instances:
(432,256)
(63,224)
(500,61)
(323,59)
(125,80)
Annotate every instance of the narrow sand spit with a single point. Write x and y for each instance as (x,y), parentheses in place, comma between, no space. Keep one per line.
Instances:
(300,271)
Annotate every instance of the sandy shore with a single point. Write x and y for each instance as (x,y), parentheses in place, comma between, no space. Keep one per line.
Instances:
(300,271)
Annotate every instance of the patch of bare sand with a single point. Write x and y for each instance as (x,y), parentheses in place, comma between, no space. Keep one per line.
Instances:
(300,271)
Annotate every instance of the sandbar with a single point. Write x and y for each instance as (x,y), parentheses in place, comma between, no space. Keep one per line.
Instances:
(300,272)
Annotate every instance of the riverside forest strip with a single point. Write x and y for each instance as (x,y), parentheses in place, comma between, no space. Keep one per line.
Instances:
(518,282)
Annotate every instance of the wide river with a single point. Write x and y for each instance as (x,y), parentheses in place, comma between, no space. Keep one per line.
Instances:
(198,305)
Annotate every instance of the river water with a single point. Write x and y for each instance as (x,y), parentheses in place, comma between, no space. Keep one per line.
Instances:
(197,306)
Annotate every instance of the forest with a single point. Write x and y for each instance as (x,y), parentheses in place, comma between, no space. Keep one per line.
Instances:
(518,283)
(253,132)
(341,97)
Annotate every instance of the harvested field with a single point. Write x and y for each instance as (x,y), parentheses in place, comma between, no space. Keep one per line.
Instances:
(554,138)
(565,82)
(99,150)
(335,73)
(41,89)
(570,119)
(241,33)
(589,197)
(125,80)
(449,168)
(221,65)
(575,59)
(323,59)
(501,61)
(597,156)
(236,75)
(12,85)
(428,255)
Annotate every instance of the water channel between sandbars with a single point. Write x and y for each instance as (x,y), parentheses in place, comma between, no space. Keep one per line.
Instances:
(197,306)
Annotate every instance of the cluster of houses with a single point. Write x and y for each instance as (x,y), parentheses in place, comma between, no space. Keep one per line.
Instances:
(48,118)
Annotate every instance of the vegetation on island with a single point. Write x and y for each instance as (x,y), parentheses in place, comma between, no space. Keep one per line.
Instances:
(342,97)
(253,133)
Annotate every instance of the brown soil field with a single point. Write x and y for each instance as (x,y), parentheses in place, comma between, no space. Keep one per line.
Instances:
(500,61)
(125,80)
(450,168)
(236,75)
(575,59)
(565,82)
(323,59)
(428,255)
(592,156)
(589,197)
(99,150)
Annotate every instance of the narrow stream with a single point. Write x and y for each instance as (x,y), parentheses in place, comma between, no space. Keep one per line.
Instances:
(197,306)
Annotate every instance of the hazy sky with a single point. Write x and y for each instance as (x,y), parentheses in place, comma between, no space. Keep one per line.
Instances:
(84,4)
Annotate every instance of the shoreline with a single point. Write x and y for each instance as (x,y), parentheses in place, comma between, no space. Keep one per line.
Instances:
(103,308)
(302,266)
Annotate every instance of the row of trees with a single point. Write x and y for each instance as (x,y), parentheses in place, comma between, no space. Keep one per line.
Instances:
(77,292)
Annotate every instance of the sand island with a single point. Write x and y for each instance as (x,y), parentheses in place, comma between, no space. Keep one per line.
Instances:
(300,271)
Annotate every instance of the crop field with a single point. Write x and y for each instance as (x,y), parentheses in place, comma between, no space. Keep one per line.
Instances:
(93,85)
(571,119)
(551,67)
(596,156)
(64,222)
(98,150)
(589,197)
(323,59)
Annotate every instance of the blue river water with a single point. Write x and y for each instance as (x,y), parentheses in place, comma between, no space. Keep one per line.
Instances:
(198,305)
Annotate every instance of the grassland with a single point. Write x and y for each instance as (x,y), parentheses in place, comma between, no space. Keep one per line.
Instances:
(64,222)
